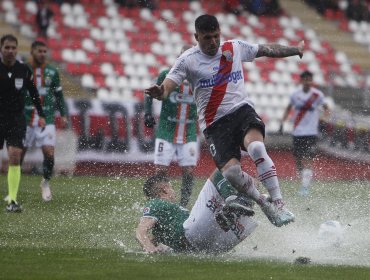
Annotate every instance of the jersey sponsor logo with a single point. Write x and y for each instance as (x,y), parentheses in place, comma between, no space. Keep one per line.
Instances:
(221,78)
(18,82)
(146,210)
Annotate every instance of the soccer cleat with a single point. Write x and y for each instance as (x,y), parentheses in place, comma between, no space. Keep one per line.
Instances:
(45,190)
(240,205)
(13,207)
(276,211)
(223,221)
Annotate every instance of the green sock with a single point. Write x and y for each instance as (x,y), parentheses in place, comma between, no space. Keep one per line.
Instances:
(14,177)
(223,186)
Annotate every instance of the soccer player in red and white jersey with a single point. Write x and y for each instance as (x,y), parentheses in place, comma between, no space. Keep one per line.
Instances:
(226,114)
(306,102)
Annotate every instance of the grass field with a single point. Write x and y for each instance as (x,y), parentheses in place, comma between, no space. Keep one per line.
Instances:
(87,232)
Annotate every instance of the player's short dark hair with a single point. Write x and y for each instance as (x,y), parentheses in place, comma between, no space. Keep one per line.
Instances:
(150,187)
(306,74)
(38,43)
(9,37)
(206,23)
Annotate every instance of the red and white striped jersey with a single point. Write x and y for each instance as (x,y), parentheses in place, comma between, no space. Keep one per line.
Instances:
(217,81)
(306,111)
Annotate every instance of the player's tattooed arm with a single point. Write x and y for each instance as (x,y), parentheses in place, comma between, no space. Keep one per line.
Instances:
(276,50)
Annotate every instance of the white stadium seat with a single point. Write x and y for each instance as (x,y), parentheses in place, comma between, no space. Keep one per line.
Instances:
(80,56)
(11,18)
(122,82)
(66,8)
(88,45)
(31,7)
(81,22)
(102,93)
(146,14)
(103,22)
(107,69)
(87,81)
(96,33)
(167,15)
(68,55)
(78,10)
(112,11)
(160,26)
(111,81)
(112,46)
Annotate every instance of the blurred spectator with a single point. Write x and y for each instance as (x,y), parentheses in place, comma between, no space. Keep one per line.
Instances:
(43,17)
(263,7)
(272,8)
(322,5)
(150,4)
(232,6)
(357,10)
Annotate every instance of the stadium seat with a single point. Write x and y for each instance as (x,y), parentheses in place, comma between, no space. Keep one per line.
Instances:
(87,81)
(124,49)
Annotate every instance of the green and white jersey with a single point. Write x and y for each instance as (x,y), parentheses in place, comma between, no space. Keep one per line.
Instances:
(46,79)
(178,118)
(170,217)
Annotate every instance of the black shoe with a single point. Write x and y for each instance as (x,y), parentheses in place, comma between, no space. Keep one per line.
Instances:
(224,222)
(241,206)
(13,207)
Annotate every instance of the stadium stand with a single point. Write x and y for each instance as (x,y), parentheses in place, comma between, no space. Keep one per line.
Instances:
(117,51)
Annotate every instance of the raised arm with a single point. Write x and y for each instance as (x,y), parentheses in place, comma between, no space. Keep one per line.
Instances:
(276,50)
(162,91)
(286,113)
(285,117)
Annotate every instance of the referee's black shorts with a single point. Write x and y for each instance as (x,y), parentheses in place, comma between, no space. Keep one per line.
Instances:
(304,147)
(225,136)
(13,131)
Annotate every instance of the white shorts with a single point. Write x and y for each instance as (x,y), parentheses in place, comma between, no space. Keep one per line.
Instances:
(202,230)
(40,137)
(186,154)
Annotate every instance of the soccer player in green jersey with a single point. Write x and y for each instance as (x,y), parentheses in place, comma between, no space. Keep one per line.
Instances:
(46,79)
(176,133)
(166,225)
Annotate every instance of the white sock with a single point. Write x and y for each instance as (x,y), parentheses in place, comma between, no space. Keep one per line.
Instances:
(307,175)
(265,169)
(251,189)
(242,182)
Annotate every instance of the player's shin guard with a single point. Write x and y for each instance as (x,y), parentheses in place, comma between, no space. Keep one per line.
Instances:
(265,168)
(14,177)
(186,189)
(48,166)
(242,182)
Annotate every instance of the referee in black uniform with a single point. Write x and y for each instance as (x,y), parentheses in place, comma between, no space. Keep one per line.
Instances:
(15,79)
